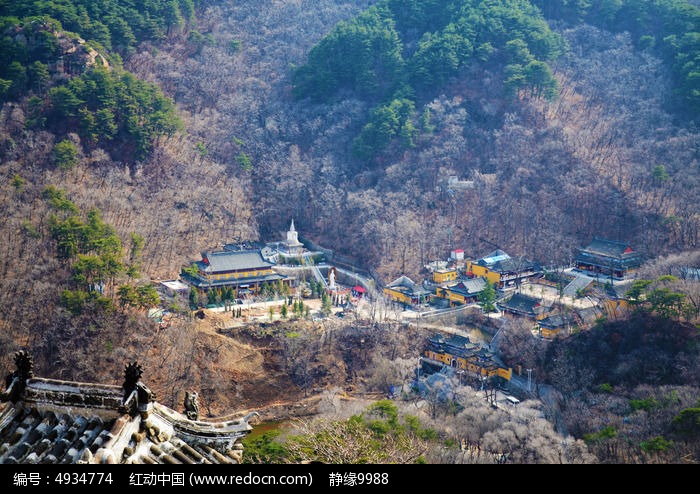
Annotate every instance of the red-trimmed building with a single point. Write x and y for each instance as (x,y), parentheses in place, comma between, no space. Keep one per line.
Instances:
(608,258)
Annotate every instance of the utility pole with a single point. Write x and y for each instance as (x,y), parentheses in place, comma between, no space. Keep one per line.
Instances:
(490,393)
(529,379)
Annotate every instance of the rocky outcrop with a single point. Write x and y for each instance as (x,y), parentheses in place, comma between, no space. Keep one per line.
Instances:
(75,56)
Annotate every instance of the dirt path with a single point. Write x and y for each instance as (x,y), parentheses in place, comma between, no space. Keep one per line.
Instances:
(232,355)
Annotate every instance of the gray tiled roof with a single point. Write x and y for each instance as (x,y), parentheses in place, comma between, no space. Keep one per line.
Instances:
(402,281)
(33,436)
(67,422)
(608,255)
(461,346)
(609,248)
(520,303)
(469,287)
(588,315)
(232,261)
(556,321)
(406,285)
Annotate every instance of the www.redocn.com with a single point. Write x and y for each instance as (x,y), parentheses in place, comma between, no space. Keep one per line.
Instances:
(250,479)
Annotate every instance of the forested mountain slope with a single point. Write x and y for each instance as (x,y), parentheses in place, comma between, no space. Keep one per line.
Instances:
(102,188)
(186,125)
(605,156)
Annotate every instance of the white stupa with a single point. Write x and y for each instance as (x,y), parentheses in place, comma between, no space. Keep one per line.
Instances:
(292,244)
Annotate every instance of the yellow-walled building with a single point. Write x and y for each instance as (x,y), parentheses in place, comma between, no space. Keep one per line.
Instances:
(404,290)
(464,292)
(479,271)
(502,270)
(244,271)
(444,275)
(555,325)
(460,353)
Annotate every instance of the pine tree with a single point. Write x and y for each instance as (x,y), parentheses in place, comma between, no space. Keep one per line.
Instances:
(326,306)
(487,297)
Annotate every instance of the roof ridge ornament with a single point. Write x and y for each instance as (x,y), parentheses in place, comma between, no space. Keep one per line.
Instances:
(192,405)
(132,375)
(16,382)
(137,396)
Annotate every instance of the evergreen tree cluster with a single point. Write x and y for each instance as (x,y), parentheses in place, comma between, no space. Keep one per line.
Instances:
(398,52)
(116,25)
(96,257)
(671,28)
(61,60)
(112,106)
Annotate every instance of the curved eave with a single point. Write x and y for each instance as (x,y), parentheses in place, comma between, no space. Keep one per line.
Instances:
(229,429)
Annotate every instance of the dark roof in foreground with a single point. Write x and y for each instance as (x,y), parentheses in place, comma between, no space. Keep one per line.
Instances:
(66,422)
